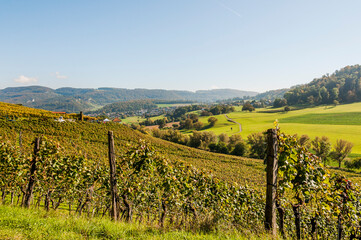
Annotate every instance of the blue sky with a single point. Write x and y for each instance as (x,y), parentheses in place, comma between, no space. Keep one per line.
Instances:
(188,44)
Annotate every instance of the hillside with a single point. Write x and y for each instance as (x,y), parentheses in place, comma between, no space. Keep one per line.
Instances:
(156,181)
(84,99)
(343,86)
(271,95)
(128,107)
(91,139)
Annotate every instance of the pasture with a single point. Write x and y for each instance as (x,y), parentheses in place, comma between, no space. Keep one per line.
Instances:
(335,122)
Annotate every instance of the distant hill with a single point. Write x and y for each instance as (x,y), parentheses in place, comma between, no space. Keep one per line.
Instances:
(85,99)
(26,95)
(126,107)
(343,86)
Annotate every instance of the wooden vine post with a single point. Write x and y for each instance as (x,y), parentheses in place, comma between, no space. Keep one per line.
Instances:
(113,181)
(29,190)
(272,170)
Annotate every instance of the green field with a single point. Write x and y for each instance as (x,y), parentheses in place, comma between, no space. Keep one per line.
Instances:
(335,122)
(137,119)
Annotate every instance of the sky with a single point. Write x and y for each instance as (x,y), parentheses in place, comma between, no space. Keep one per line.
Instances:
(183,45)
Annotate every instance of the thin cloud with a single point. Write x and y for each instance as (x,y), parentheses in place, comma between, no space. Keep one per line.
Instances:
(214,87)
(25,80)
(229,9)
(58,76)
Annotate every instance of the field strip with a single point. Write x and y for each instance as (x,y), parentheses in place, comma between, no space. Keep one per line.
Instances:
(231,120)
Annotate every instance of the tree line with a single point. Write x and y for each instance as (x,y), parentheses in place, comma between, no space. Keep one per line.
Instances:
(343,86)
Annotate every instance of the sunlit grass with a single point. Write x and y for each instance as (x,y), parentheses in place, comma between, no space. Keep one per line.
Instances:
(17,223)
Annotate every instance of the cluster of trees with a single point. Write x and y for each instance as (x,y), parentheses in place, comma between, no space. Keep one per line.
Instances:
(129,107)
(278,102)
(192,121)
(343,86)
(252,105)
(255,145)
(180,112)
(149,122)
(324,149)
(218,109)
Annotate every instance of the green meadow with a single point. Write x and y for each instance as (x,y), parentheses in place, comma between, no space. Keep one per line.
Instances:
(335,122)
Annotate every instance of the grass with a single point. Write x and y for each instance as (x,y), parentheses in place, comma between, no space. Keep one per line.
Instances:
(350,118)
(17,223)
(137,119)
(335,122)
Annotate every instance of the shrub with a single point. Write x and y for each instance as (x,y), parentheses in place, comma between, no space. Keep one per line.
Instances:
(239,149)
(356,164)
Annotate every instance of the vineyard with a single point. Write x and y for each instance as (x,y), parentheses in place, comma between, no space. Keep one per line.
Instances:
(64,167)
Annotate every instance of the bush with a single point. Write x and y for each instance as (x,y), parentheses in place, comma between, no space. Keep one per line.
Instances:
(212,121)
(239,149)
(355,164)
(257,142)
(198,125)
(248,107)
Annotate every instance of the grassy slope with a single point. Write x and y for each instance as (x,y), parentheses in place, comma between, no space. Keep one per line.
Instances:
(17,223)
(340,122)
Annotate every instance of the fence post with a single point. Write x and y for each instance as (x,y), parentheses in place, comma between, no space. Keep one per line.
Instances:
(272,169)
(29,190)
(20,142)
(113,181)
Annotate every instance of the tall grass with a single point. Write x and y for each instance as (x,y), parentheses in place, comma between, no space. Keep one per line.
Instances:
(18,223)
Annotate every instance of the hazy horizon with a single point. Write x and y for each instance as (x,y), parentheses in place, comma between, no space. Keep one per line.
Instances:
(188,45)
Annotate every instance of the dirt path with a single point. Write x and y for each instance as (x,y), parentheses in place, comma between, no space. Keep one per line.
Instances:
(231,120)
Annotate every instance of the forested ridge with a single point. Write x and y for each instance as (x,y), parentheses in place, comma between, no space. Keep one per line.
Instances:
(343,86)
(126,107)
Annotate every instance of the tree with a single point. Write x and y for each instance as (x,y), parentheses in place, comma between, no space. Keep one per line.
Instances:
(212,121)
(234,139)
(322,147)
(341,149)
(279,102)
(257,141)
(223,138)
(198,125)
(248,107)
(239,149)
(194,117)
(188,123)
(304,141)
(202,139)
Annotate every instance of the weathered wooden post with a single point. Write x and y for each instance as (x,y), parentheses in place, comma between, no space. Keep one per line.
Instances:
(29,190)
(272,169)
(113,181)
(20,142)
